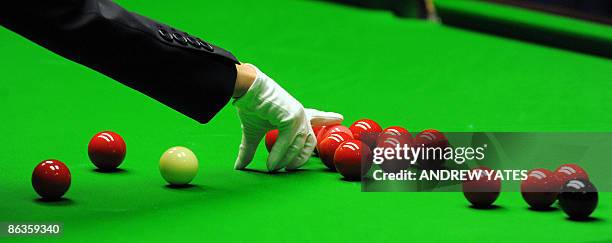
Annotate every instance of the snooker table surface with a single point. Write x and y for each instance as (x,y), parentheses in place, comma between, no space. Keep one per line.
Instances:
(357,62)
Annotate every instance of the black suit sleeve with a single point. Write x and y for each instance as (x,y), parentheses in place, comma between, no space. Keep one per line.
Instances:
(169,65)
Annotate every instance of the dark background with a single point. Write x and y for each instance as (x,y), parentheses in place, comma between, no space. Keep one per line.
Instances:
(591,10)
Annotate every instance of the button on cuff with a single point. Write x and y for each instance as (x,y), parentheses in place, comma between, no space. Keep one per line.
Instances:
(164,35)
(179,38)
(192,41)
(205,45)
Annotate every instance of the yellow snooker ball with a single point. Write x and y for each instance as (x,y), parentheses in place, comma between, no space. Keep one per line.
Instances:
(178,165)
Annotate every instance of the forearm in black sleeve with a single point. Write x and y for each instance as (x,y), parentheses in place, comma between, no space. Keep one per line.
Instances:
(169,65)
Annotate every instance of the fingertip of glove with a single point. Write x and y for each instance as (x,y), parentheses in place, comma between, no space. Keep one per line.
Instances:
(239,165)
(273,167)
(273,170)
(292,167)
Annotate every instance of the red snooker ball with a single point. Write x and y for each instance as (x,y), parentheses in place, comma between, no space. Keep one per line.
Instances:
(353,159)
(271,137)
(106,150)
(481,192)
(328,146)
(568,172)
(388,141)
(317,129)
(325,132)
(431,138)
(396,131)
(578,198)
(51,179)
(392,140)
(366,130)
(540,189)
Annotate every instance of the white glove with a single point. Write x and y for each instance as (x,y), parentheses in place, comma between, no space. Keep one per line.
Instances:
(266,106)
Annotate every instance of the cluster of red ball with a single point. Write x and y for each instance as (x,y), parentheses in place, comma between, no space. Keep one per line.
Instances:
(51,178)
(569,184)
(348,150)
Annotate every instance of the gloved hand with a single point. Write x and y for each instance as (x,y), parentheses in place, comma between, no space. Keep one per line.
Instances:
(266,106)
